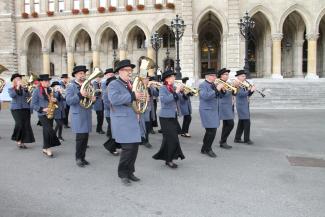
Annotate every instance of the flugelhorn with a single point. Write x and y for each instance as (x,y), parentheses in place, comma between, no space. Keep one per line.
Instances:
(187,89)
(227,86)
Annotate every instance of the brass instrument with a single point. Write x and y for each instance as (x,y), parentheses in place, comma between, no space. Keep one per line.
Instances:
(140,105)
(87,86)
(187,89)
(227,86)
(247,85)
(29,85)
(2,81)
(52,105)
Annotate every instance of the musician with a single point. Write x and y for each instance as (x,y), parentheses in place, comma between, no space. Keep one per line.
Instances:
(186,110)
(110,144)
(40,101)
(226,110)
(208,108)
(81,117)
(242,106)
(20,110)
(98,105)
(125,122)
(170,148)
(59,114)
(64,83)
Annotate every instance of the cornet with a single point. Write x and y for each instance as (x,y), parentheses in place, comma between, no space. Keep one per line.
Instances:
(187,89)
(227,86)
(247,85)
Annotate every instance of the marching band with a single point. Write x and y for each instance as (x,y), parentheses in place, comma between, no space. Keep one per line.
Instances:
(130,111)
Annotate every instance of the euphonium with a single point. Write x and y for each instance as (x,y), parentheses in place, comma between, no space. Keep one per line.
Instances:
(29,85)
(228,86)
(187,89)
(87,86)
(140,105)
(2,81)
(52,105)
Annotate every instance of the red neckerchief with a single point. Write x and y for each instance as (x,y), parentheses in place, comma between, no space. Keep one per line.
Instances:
(41,89)
(169,87)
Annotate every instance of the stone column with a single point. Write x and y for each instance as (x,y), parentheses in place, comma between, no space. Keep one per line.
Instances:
(96,60)
(151,53)
(276,58)
(68,6)
(299,58)
(196,61)
(23,63)
(122,52)
(312,56)
(268,59)
(70,57)
(46,61)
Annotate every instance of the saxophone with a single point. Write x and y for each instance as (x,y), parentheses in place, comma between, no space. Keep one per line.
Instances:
(52,105)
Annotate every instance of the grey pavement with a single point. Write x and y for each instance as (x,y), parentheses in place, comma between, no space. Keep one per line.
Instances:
(247,181)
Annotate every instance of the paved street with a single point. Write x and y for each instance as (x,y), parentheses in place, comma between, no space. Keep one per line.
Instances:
(247,181)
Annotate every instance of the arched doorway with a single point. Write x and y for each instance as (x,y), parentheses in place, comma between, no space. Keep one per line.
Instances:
(136,44)
(83,49)
(167,52)
(259,49)
(108,48)
(210,37)
(321,49)
(34,55)
(294,46)
(58,54)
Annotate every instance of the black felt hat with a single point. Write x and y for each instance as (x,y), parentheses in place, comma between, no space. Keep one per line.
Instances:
(185,79)
(109,80)
(79,68)
(123,63)
(167,73)
(16,75)
(109,70)
(210,71)
(44,77)
(222,71)
(240,72)
(55,83)
(64,76)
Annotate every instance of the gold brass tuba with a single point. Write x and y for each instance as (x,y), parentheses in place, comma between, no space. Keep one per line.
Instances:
(228,86)
(2,81)
(87,86)
(146,64)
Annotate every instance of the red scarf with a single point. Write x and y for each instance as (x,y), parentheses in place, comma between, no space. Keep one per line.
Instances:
(169,87)
(41,89)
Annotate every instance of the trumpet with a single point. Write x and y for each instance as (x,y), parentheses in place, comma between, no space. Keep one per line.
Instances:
(155,84)
(187,89)
(247,85)
(227,86)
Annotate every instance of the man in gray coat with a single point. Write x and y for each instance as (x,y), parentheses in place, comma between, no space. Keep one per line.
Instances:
(209,111)
(242,106)
(125,122)
(80,116)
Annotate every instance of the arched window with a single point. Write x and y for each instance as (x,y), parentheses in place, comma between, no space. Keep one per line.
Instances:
(61,5)
(115,42)
(140,41)
(27,6)
(159,1)
(113,3)
(102,3)
(36,6)
(141,2)
(76,4)
(51,5)
(87,4)
(170,1)
(53,46)
(130,2)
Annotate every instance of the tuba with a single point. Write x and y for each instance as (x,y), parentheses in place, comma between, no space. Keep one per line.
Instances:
(2,81)
(146,64)
(87,86)
(228,86)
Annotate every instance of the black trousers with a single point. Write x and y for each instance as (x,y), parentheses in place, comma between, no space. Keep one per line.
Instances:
(227,127)
(109,130)
(66,119)
(154,122)
(244,125)
(59,126)
(100,120)
(186,123)
(210,134)
(49,136)
(127,159)
(23,131)
(81,145)
(148,129)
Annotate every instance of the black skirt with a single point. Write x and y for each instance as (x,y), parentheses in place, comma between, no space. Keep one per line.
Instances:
(170,148)
(49,136)
(23,131)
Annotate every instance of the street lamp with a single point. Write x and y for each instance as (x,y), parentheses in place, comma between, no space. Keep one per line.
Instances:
(178,27)
(246,25)
(156,44)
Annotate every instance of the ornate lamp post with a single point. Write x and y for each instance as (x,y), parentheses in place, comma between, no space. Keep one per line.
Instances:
(156,44)
(178,27)
(246,25)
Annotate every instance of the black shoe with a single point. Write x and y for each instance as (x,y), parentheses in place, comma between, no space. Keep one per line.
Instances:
(126,181)
(100,132)
(147,144)
(160,131)
(134,178)
(210,153)
(80,163)
(60,138)
(152,132)
(225,145)
(66,126)
(249,142)
(171,165)
(85,162)
(114,152)
(238,141)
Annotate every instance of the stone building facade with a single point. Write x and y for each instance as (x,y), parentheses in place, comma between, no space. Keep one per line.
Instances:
(289,36)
